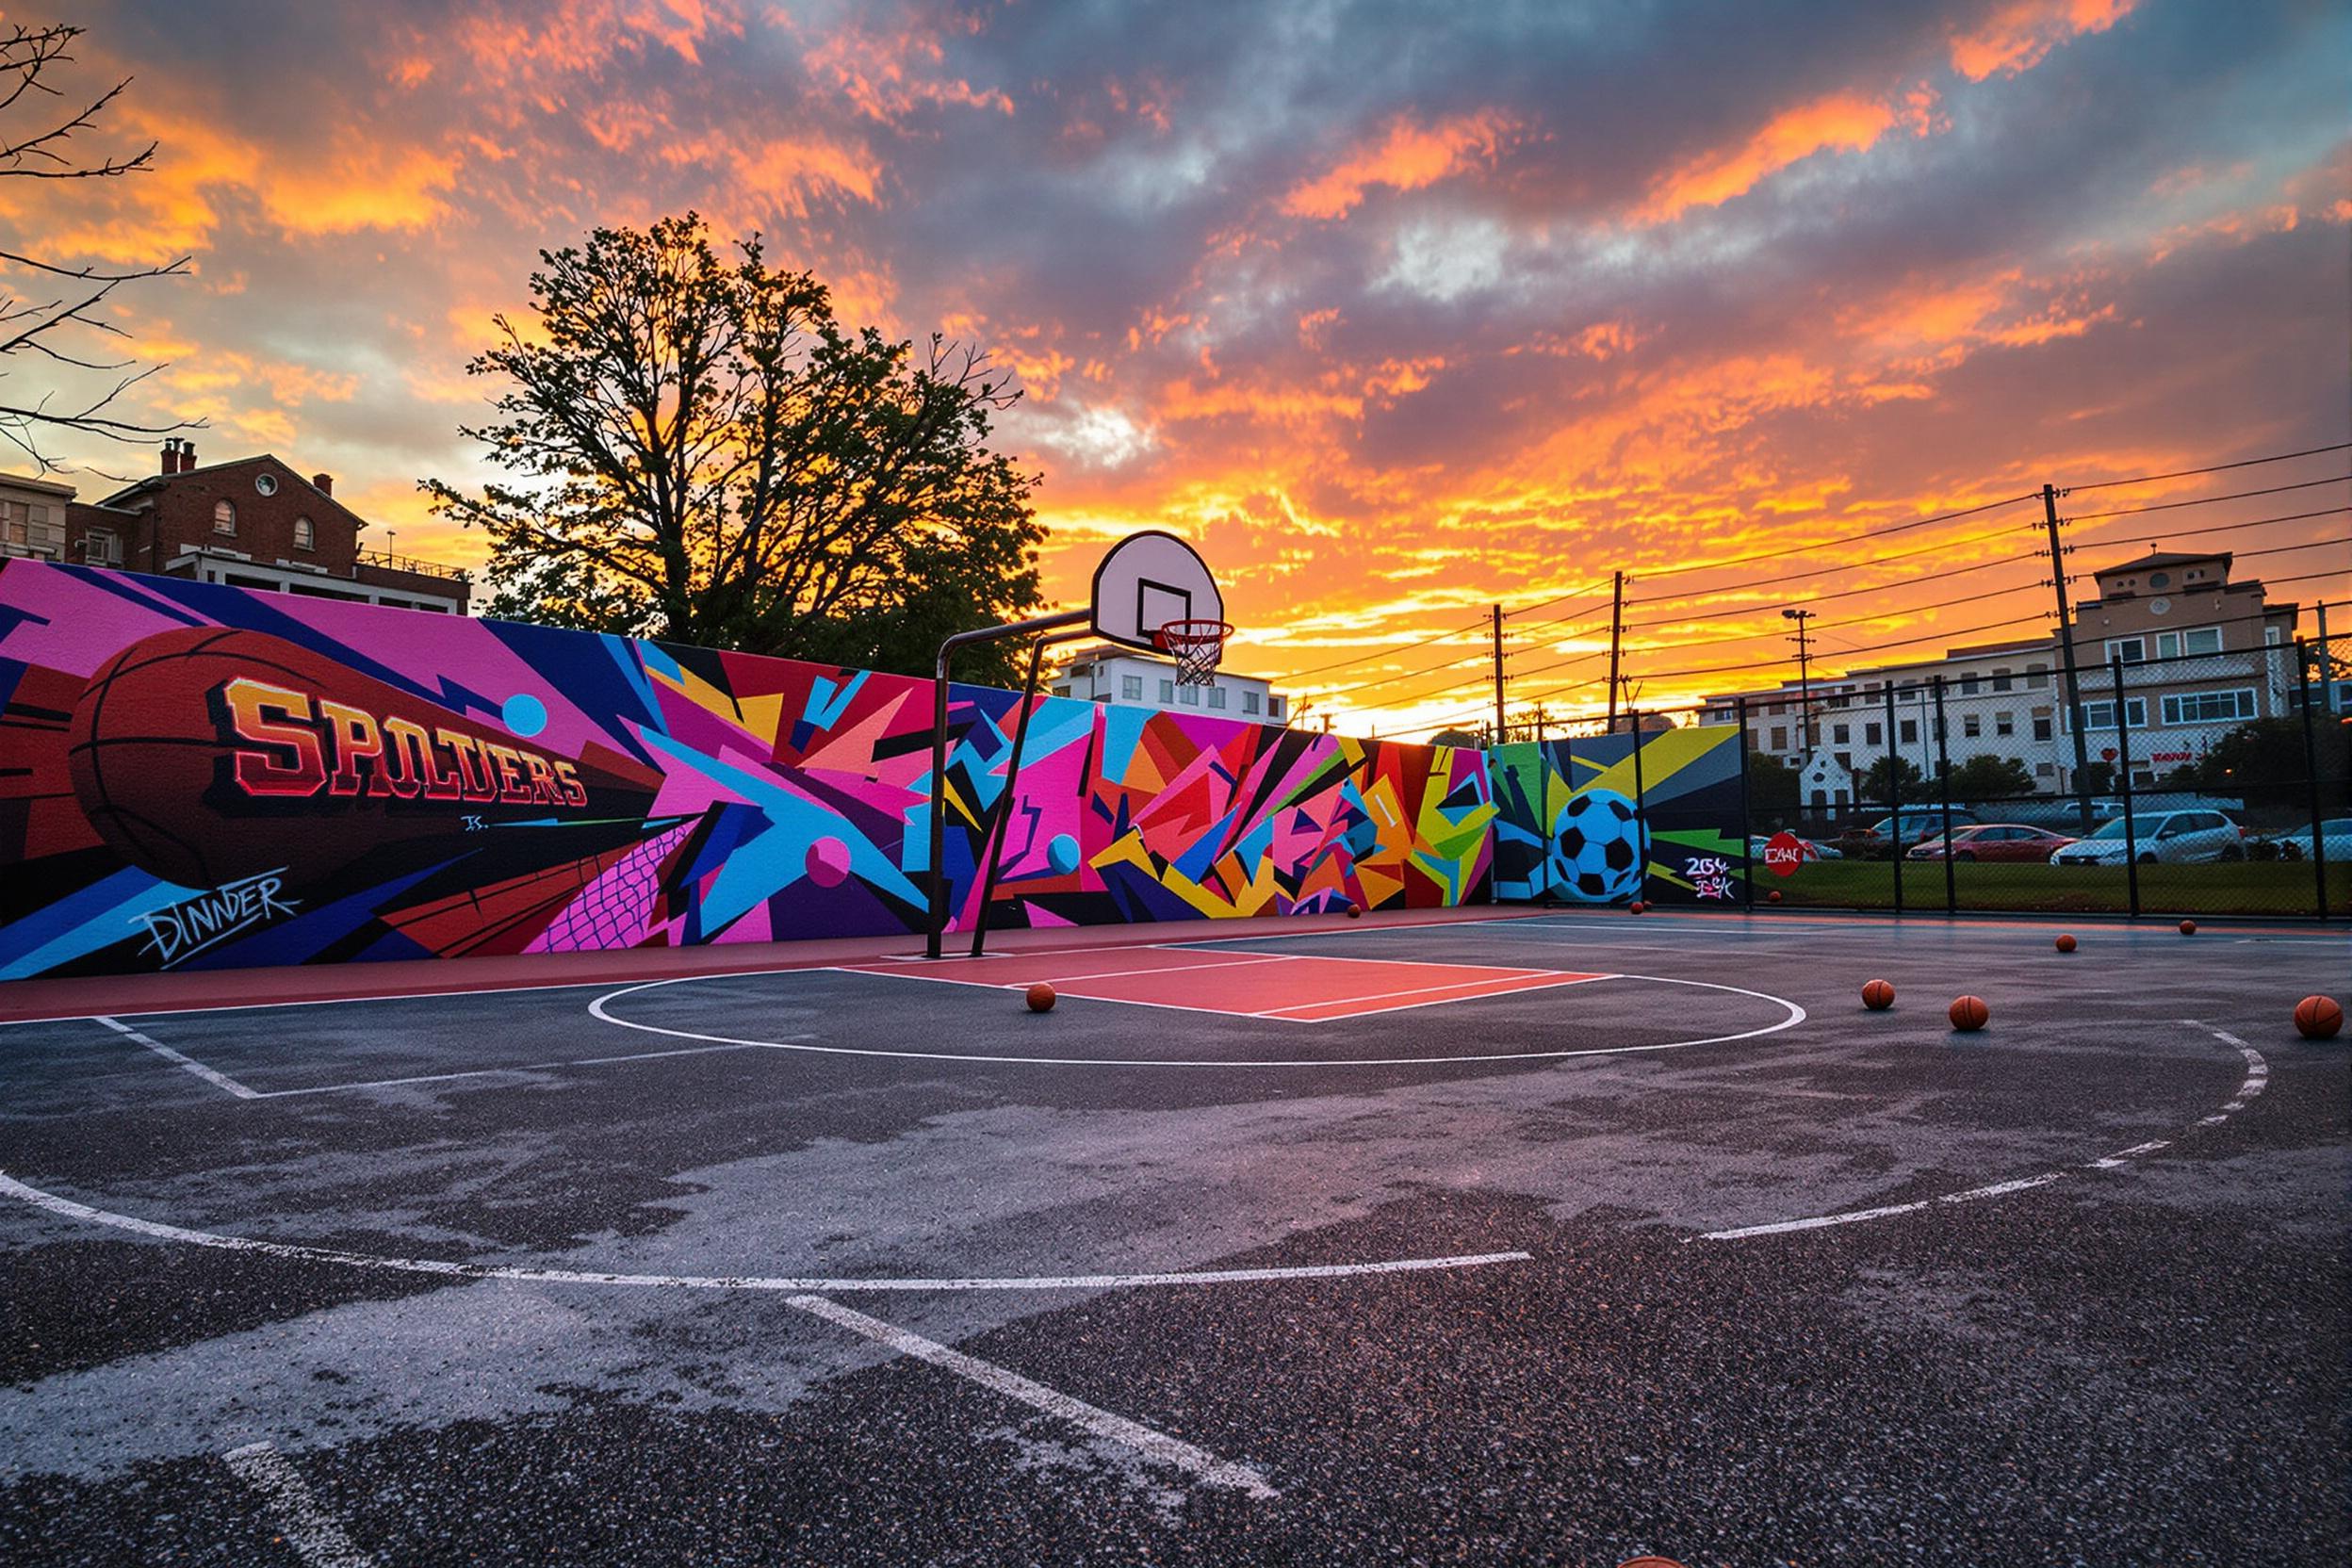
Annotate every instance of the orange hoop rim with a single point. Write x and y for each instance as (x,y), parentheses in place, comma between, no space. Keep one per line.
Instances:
(1192,634)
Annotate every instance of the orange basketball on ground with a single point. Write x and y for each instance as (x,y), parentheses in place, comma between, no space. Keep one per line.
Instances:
(2066,943)
(2188,928)
(1773,897)
(1040,998)
(1878,996)
(1636,907)
(1355,911)
(2318,1018)
(1969,1014)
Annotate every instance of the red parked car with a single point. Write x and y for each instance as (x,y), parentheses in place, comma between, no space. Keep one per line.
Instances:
(1997,840)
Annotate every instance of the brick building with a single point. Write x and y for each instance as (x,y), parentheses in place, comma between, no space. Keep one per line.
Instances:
(254,522)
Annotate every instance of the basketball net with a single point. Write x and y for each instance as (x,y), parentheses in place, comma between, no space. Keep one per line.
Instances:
(1197,647)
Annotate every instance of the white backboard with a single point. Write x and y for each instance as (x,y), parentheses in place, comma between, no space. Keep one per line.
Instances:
(1147,580)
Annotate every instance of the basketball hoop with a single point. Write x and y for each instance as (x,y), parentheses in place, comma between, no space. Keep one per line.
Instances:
(1196,645)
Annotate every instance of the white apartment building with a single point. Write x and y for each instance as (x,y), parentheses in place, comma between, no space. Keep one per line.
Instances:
(2215,654)
(1107,674)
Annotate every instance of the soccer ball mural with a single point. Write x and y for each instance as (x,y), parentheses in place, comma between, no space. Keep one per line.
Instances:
(1600,851)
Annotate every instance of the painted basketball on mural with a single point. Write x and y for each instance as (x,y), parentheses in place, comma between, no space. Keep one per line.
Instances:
(205,753)
(1601,847)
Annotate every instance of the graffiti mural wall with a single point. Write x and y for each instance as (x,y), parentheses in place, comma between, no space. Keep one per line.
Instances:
(193,775)
(1606,819)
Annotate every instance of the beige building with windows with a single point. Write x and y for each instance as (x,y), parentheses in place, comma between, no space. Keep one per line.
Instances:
(1113,674)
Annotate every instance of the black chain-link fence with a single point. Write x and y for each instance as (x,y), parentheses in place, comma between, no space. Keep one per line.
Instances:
(2171,780)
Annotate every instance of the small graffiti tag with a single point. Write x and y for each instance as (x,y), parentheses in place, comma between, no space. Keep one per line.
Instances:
(1711,875)
(189,927)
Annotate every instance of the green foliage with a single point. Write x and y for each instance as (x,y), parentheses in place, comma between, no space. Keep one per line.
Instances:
(1772,787)
(696,450)
(1891,773)
(2098,779)
(2263,762)
(1984,777)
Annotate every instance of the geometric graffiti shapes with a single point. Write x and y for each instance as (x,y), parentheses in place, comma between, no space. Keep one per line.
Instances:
(851,752)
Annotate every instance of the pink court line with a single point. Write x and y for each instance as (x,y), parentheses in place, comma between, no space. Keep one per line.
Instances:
(1467,990)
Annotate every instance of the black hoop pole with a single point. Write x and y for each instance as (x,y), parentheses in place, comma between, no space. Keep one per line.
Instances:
(937,925)
(992,841)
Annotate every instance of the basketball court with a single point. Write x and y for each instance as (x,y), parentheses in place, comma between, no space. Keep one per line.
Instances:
(1559,1237)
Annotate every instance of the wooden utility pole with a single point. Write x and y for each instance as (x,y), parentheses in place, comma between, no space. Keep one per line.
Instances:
(2065,650)
(1499,674)
(1616,631)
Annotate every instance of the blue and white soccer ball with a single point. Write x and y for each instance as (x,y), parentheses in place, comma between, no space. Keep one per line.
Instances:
(1601,850)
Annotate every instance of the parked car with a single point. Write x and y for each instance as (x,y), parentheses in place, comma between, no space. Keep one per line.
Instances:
(2170,836)
(1883,838)
(1812,851)
(2335,838)
(1995,841)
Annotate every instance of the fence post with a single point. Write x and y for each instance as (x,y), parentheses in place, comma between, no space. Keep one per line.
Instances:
(1641,810)
(1943,785)
(2123,783)
(1894,794)
(1747,820)
(2310,766)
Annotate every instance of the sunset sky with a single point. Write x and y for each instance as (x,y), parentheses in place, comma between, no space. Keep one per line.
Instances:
(1395,316)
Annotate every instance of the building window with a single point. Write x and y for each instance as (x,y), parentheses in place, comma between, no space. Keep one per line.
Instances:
(1189,696)
(1968,685)
(1250,702)
(2208,707)
(2037,677)
(2102,715)
(1274,707)
(2173,644)
(225,518)
(1840,734)
(2159,580)
(1216,696)
(2001,680)
(2043,770)
(1131,687)
(99,548)
(1780,737)
(1909,730)
(1776,710)
(2131,650)
(266,483)
(2003,724)
(1167,692)
(1870,735)
(1970,724)
(1061,691)
(2041,727)
(306,538)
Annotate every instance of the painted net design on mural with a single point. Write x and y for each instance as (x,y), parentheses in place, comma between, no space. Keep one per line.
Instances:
(618,907)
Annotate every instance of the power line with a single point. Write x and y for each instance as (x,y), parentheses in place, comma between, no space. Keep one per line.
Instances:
(1366,658)
(2205,501)
(1847,539)
(1528,608)
(2217,468)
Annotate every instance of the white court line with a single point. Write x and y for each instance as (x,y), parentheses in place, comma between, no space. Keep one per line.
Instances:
(497,1072)
(217,1080)
(1197,1463)
(68,1208)
(1236,962)
(2257,1074)
(1796,1016)
(316,1538)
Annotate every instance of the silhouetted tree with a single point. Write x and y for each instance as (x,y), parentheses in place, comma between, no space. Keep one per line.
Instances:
(37,143)
(702,452)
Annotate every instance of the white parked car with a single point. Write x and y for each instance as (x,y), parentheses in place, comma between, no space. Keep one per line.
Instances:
(2171,837)
(2335,837)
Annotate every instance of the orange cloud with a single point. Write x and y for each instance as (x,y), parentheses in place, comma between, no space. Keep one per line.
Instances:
(885,76)
(1842,122)
(2020,36)
(1407,158)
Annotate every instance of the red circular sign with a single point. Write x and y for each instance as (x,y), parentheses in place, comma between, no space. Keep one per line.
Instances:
(1784,852)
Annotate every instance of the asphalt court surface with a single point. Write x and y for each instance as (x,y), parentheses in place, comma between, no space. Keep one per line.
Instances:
(1554,1240)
